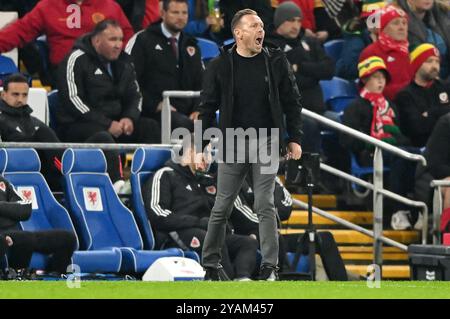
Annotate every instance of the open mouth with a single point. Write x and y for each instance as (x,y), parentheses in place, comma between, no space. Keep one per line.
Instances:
(259,41)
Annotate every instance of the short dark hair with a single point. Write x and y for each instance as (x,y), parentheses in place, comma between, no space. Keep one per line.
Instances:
(167,2)
(103,25)
(14,78)
(238,16)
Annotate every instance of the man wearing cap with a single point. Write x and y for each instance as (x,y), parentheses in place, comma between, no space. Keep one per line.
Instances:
(392,47)
(309,62)
(426,98)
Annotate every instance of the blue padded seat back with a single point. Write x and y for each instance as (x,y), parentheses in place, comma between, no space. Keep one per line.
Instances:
(100,217)
(21,168)
(209,49)
(145,162)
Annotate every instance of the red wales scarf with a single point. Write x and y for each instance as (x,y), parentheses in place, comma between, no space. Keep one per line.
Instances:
(387,42)
(383,125)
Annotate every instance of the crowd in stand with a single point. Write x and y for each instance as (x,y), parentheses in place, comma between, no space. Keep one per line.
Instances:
(111,61)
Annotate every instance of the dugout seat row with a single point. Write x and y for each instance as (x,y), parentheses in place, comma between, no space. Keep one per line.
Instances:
(111,238)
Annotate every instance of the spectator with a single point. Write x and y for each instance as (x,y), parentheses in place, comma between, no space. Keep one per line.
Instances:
(437,154)
(309,63)
(392,47)
(259,104)
(179,202)
(58,244)
(201,22)
(18,125)
(426,99)
(61,24)
(99,94)
(165,58)
(326,27)
(141,13)
(373,114)
(428,23)
(356,35)
(308,20)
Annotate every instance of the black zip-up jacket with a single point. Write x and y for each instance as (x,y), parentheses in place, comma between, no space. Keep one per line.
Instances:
(13,209)
(284,96)
(16,124)
(176,199)
(358,115)
(157,68)
(89,94)
(420,108)
(310,64)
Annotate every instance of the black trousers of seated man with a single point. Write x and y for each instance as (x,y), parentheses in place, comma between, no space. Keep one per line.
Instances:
(146,131)
(238,253)
(58,244)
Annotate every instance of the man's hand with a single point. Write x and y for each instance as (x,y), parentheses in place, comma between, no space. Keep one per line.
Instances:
(9,241)
(322,36)
(127,125)
(160,106)
(115,129)
(294,151)
(194,116)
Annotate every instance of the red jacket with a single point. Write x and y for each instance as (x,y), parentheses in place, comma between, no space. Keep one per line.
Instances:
(49,17)
(307,7)
(397,64)
(152,14)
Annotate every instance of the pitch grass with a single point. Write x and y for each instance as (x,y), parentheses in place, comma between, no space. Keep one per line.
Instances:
(224,290)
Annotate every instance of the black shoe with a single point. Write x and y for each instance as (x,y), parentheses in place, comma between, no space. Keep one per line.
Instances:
(268,274)
(216,274)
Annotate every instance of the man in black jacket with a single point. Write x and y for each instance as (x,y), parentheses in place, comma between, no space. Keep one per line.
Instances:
(165,58)
(99,93)
(18,125)
(426,99)
(178,200)
(310,64)
(256,91)
(59,244)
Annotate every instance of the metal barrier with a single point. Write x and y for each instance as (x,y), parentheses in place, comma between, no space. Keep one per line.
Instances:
(376,187)
(437,208)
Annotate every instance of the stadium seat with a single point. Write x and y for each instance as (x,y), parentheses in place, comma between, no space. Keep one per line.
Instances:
(333,48)
(101,219)
(145,162)
(21,167)
(209,49)
(361,171)
(338,93)
(229,41)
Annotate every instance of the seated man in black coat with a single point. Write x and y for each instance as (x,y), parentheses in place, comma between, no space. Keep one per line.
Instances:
(59,244)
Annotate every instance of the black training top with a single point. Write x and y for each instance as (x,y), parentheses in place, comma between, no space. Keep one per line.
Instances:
(251,93)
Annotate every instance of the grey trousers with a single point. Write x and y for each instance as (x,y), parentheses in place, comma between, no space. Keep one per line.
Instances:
(229,182)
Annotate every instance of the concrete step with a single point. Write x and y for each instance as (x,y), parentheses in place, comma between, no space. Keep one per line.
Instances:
(300,217)
(388,272)
(320,201)
(342,236)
